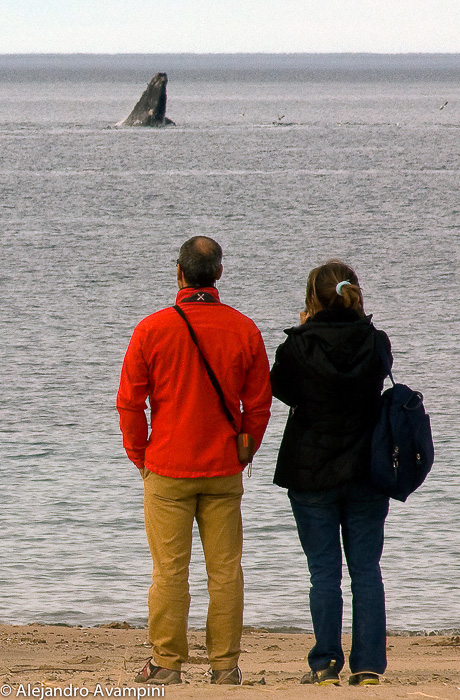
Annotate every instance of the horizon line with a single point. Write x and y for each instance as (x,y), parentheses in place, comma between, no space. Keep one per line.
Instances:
(231,53)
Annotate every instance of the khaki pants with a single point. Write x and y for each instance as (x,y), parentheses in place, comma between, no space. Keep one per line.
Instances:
(170,506)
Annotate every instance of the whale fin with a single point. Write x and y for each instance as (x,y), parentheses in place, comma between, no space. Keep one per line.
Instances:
(150,110)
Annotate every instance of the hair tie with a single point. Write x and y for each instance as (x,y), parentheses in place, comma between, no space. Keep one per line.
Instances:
(338,288)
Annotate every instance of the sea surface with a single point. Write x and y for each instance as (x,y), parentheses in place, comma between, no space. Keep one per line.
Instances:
(286,161)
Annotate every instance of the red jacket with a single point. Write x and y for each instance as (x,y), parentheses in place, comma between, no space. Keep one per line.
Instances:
(190,435)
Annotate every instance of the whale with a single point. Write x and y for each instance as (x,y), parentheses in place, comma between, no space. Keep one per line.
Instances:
(150,110)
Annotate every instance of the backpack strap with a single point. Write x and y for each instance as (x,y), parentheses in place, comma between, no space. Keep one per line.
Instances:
(382,351)
(209,370)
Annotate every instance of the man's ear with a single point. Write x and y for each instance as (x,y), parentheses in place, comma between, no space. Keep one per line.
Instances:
(221,269)
(181,283)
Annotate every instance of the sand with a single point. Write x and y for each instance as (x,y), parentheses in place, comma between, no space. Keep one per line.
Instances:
(49,661)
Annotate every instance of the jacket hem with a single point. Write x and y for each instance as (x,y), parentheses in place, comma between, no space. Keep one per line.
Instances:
(189,474)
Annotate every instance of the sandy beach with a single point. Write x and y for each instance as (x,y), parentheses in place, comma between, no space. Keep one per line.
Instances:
(42,661)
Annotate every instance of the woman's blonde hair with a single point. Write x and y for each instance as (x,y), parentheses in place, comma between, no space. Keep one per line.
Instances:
(322,288)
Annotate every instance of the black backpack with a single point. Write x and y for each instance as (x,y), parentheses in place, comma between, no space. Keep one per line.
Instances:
(402,452)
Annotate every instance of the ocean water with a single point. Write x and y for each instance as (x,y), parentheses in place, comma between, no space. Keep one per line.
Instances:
(286,161)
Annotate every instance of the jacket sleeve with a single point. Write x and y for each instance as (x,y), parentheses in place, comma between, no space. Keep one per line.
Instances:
(386,347)
(256,396)
(284,376)
(131,405)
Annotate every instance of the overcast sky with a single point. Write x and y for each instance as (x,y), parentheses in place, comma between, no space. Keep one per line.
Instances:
(228,26)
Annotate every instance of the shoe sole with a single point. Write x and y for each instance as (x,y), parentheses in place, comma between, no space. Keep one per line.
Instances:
(225,683)
(328,681)
(368,682)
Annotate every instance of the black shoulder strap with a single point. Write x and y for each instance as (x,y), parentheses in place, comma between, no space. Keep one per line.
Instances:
(380,347)
(209,370)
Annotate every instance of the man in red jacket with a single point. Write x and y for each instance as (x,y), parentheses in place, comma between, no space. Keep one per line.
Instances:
(189,462)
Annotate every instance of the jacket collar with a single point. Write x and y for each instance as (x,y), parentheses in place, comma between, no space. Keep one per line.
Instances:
(331,315)
(202,294)
(330,318)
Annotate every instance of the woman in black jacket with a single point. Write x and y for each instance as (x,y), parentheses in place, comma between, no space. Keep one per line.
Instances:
(330,373)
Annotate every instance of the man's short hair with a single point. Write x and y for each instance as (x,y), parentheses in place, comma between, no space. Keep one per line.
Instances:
(200,259)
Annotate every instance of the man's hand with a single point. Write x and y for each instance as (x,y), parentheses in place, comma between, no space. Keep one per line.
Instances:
(143,472)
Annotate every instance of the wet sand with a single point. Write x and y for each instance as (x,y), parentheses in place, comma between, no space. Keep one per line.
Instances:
(38,660)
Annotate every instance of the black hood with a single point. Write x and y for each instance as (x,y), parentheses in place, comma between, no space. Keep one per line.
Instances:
(334,342)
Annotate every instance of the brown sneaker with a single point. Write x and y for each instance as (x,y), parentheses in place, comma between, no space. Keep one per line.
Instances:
(328,676)
(157,675)
(226,676)
(364,678)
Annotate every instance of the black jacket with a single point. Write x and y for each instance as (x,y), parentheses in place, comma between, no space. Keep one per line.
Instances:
(330,373)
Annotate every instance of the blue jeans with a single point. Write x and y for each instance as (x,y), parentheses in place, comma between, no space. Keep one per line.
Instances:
(360,512)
